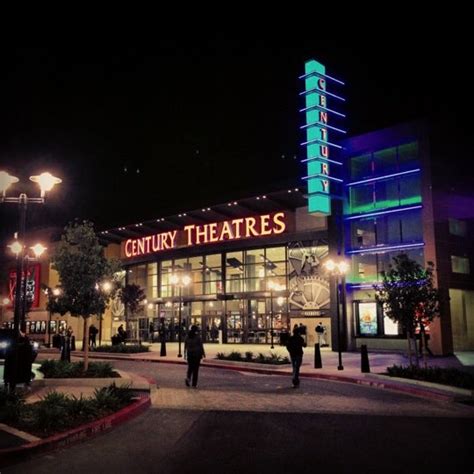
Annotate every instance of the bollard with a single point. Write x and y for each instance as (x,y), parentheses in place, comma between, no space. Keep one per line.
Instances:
(364,362)
(163,347)
(318,364)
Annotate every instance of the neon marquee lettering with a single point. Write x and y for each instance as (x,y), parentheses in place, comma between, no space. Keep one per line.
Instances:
(263,225)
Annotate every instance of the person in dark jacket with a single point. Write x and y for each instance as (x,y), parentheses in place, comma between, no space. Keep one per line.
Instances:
(193,352)
(295,346)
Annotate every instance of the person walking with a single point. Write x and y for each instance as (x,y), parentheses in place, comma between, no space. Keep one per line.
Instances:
(92,336)
(193,352)
(295,346)
(320,333)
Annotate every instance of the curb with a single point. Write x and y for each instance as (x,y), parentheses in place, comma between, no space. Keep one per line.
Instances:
(61,440)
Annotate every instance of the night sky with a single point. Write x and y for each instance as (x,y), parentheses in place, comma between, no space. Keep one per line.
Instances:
(142,132)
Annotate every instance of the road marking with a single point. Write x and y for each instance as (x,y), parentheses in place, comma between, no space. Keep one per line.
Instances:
(18,433)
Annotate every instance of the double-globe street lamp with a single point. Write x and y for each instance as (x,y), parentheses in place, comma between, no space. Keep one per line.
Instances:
(180,281)
(46,182)
(339,270)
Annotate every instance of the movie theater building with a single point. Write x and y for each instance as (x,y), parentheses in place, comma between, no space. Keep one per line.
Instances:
(257,263)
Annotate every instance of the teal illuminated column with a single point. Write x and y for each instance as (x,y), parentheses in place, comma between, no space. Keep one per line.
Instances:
(317,151)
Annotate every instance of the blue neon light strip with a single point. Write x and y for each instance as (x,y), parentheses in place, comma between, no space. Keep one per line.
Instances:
(381,213)
(324,76)
(320,175)
(324,92)
(393,175)
(386,249)
(322,160)
(324,109)
(362,286)
(324,125)
(322,142)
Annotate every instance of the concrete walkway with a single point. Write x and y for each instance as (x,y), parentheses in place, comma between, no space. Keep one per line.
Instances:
(351,361)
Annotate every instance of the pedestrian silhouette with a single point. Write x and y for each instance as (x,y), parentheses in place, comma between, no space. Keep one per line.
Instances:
(295,346)
(193,352)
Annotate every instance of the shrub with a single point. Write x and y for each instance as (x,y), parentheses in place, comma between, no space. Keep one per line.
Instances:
(439,375)
(112,397)
(62,369)
(123,348)
(273,358)
(57,412)
(234,355)
(11,405)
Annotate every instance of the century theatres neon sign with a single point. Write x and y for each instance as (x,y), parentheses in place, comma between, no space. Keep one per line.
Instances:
(319,165)
(193,234)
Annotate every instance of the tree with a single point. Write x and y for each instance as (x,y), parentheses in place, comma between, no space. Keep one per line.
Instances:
(82,267)
(132,297)
(408,296)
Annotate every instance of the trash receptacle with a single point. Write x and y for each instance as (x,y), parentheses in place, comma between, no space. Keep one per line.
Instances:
(57,341)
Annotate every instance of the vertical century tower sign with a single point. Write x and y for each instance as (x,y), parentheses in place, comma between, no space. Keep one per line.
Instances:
(317,115)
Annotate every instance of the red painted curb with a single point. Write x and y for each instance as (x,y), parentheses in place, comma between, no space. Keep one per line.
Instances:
(61,440)
(416,391)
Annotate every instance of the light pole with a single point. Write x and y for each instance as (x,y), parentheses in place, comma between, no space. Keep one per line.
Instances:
(106,288)
(4,302)
(180,281)
(273,287)
(46,182)
(53,295)
(338,269)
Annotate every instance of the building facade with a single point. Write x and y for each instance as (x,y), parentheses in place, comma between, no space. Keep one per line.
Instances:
(256,266)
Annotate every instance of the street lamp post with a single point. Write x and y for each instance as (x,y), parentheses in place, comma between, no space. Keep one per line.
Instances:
(273,287)
(46,182)
(180,281)
(338,269)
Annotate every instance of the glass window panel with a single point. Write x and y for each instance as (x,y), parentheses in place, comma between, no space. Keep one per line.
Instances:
(390,327)
(410,190)
(255,252)
(179,263)
(152,268)
(407,156)
(386,194)
(361,167)
(460,264)
(457,227)
(362,198)
(363,233)
(364,268)
(415,254)
(196,263)
(214,261)
(385,161)
(276,254)
(234,284)
(412,227)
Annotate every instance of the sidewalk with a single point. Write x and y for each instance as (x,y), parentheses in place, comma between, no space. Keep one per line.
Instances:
(351,361)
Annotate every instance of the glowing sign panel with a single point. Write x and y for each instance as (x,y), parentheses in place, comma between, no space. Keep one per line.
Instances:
(317,143)
(241,228)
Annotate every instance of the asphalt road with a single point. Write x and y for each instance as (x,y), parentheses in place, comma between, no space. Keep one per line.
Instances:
(236,422)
